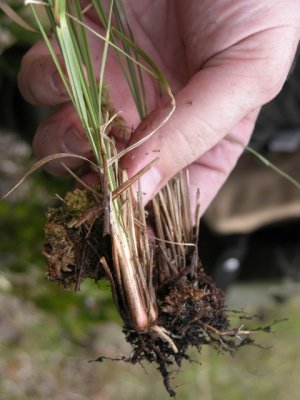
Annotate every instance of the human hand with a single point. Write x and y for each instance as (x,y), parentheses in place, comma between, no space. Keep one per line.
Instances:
(223,59)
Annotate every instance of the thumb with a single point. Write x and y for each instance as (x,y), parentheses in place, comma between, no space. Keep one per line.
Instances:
(215,99)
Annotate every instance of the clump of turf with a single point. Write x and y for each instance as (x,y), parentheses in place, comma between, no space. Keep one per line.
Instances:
(189,310)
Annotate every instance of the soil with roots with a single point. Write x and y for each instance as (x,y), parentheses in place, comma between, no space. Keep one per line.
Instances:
(191,313)
(191,310)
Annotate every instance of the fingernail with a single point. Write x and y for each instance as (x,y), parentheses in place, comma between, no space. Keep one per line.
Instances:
(75,142)
(57,84)
(44,85)
(149,183)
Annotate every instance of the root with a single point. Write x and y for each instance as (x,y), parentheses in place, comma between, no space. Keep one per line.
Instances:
(164,335)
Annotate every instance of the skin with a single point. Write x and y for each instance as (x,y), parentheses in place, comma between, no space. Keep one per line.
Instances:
(224,59)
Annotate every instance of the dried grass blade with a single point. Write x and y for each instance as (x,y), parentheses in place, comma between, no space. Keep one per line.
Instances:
(15,17)
(41,163)
(110,278)
(150,134)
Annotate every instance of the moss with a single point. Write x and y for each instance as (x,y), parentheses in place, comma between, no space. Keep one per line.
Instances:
(77,202)
(73,252)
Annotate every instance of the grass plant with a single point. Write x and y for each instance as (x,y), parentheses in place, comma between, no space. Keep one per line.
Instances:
(87,94)
(151,284)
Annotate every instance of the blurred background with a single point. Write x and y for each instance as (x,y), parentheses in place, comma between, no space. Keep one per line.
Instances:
(249,243)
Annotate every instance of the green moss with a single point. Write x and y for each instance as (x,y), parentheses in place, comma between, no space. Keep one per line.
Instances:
(77,202)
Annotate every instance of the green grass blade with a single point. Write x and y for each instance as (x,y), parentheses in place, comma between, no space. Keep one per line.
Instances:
(74,66)
(83,49)
(104,59)
(154,68)
(134,69)
(276,169)
(52,53)
(265,161)
(132,76)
